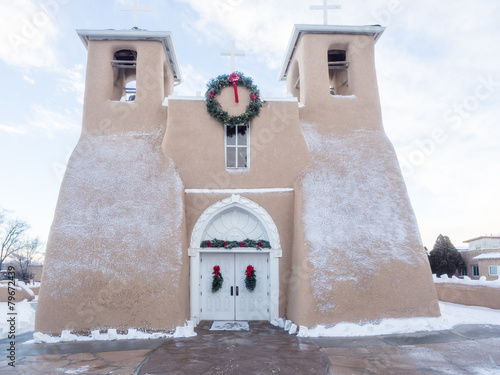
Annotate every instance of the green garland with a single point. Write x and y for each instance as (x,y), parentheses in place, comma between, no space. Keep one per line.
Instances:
(215,86)
(232,244)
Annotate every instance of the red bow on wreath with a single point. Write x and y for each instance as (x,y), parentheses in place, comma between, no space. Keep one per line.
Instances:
(249,271)
(216,270)
(233,77)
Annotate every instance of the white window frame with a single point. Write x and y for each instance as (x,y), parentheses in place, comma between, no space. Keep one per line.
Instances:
(237,169)
(496,270)
(475,266)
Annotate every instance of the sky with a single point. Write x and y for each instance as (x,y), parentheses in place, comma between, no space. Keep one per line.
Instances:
(438,71)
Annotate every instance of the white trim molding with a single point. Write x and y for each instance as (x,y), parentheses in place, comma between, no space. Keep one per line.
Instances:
(194,251)
(246,204)
(238,191)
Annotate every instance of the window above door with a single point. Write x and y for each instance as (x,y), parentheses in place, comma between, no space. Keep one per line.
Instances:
(237,147)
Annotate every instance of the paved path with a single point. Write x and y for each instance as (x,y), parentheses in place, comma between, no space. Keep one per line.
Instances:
(89,357)
(264,349)
(465,350)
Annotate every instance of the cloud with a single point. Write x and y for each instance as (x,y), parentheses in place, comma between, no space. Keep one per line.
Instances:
(72,81)
(13,129)
(192,82)
(29,80)
(29,32)
(51,121)
(256,25)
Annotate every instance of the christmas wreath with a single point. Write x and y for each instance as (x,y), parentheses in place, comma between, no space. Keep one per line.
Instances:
(215,86)
(217,280)
(250,280)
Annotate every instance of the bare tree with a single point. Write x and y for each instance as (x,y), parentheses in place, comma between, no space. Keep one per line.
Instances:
(11,236)
(25,257)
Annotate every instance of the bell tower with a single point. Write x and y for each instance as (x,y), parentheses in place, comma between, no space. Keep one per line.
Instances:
(355,233)
(119,221)
(331,71)
(129,74)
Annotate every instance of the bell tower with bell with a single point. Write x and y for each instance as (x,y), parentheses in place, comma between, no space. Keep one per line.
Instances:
(129,74)
(355,230)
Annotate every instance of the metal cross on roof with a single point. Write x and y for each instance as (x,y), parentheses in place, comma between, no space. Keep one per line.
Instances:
(233,52)
(325,7)
(136,9)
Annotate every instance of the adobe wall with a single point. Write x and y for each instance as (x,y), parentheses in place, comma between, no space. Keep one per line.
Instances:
(357,252)
(195,141)
(469,295)
(116,254)
(20,294)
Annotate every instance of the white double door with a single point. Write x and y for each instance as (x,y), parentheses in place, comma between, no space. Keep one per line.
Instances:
(233,301)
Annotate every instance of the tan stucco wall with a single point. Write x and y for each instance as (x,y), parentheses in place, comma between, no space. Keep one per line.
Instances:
(469,295)
(37,273)
(116,254)
(20,294)
(484,268)
(195,141)
(347,144)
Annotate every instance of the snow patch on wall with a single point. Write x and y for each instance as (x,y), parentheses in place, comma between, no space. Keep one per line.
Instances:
(119,213)
(356,213)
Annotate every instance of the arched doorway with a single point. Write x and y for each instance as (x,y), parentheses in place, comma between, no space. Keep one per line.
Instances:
(235,218)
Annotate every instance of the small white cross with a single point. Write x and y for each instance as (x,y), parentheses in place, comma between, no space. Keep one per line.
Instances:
(233,52)
(324,8)
(136,9)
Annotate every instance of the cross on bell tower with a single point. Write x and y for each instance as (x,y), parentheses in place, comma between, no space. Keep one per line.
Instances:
(233,52)
(325,7)
(136,9)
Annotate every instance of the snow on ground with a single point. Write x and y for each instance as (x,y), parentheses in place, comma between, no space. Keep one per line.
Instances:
(452,315)
(24,318)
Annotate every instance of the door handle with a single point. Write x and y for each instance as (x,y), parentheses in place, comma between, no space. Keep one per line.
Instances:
(237,290)
(231,290)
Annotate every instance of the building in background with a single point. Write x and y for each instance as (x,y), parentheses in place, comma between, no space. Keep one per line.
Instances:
(482,258)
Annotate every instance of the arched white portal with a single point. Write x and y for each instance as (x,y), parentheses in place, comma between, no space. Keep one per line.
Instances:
(235,218)
(234,224)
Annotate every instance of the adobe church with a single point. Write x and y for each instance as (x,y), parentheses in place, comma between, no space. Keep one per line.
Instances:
(168,200)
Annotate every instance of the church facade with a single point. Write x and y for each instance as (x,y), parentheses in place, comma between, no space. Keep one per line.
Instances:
(158,194)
